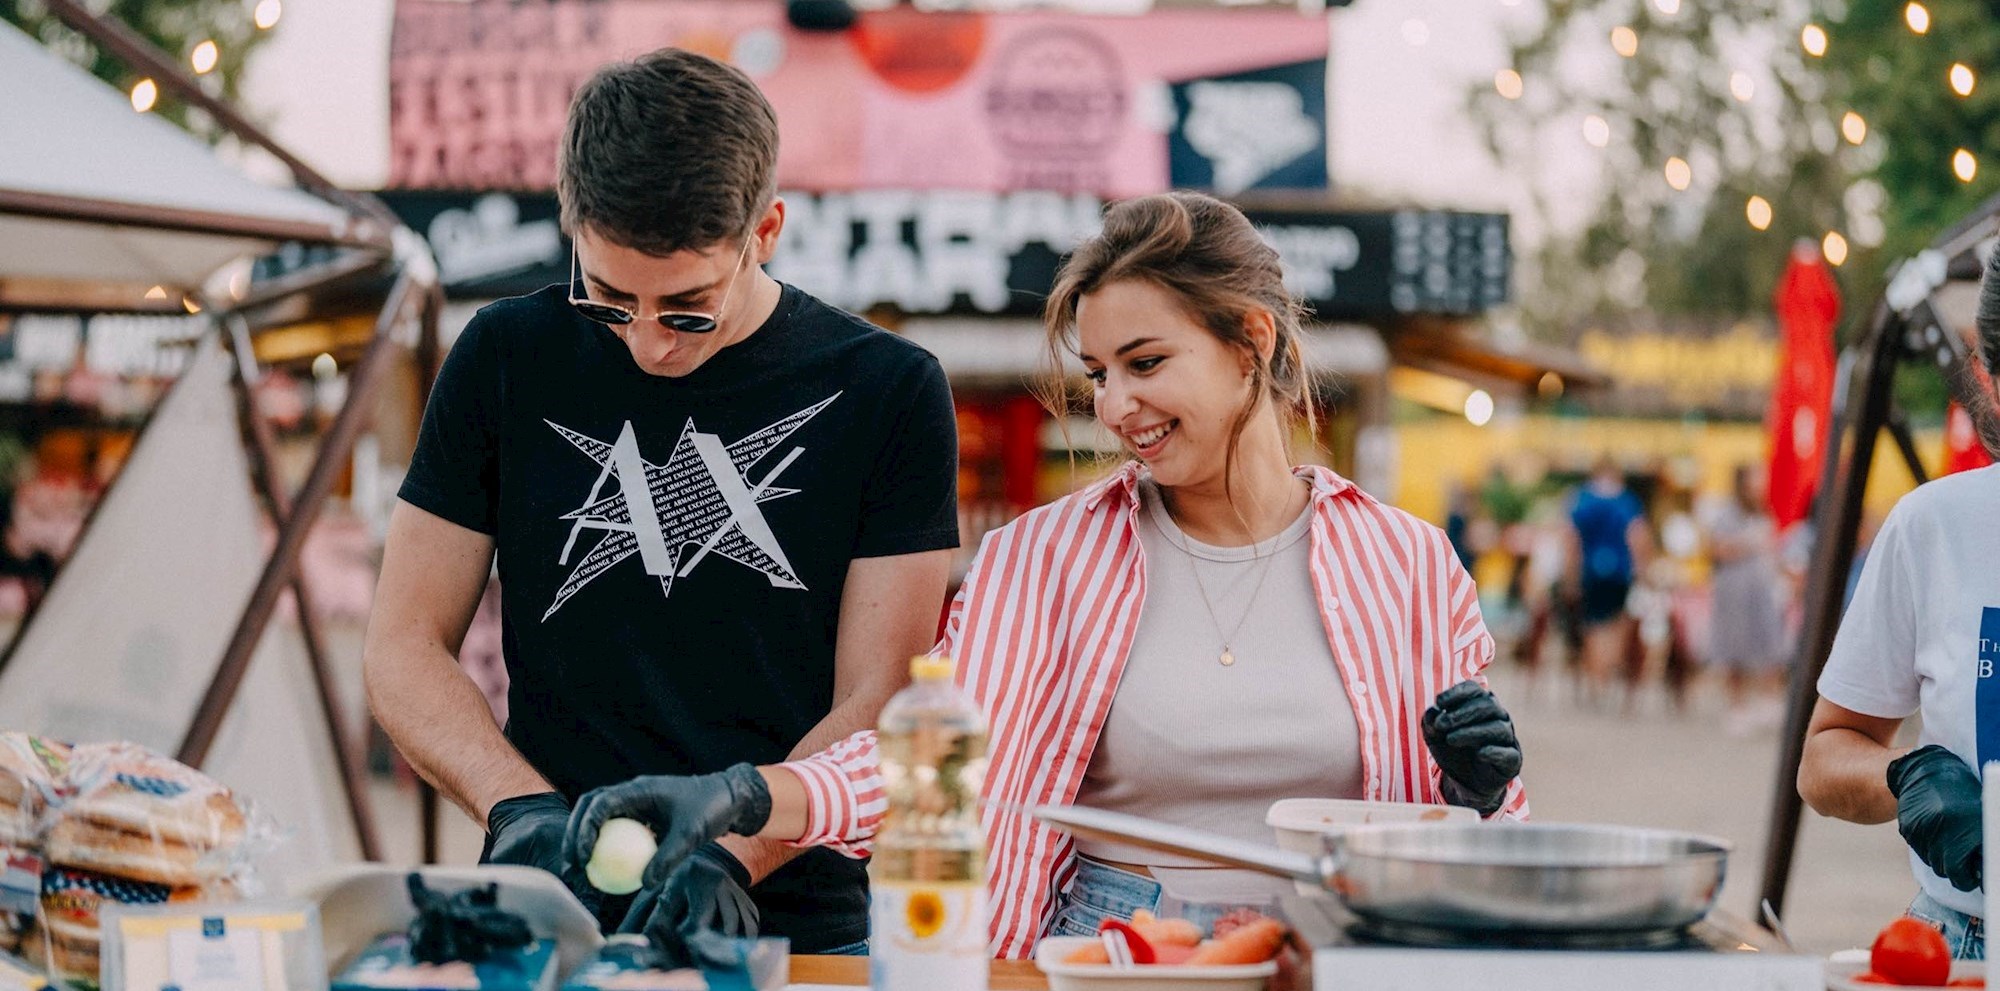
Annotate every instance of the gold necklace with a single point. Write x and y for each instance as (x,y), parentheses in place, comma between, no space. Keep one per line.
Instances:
(1228,658)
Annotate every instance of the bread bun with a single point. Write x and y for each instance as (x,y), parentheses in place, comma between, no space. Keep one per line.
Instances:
(92,847)
(124,787)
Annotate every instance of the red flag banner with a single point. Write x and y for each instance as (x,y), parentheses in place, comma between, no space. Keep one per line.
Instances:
(1808,303)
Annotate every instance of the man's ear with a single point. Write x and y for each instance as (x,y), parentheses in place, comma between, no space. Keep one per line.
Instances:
(766,233)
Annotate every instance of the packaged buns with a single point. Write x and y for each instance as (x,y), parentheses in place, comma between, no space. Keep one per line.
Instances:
(134,814)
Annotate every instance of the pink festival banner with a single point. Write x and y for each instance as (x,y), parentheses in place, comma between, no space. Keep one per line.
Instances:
(904,100)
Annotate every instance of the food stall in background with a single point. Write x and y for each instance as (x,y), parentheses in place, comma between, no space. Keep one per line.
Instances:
(936,167)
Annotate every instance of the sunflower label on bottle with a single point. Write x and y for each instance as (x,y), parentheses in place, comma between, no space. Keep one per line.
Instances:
(927,901)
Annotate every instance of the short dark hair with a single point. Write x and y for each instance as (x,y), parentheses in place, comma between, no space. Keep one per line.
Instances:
(667,152)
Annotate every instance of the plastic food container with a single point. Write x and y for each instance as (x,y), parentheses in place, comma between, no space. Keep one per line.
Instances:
(1154,977)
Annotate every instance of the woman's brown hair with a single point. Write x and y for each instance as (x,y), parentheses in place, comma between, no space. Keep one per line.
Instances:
(1209,256)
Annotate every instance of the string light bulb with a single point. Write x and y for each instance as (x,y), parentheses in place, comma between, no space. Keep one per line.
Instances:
(1668,7)
(1962,79)
(1759,213)
(1964,165)
(1508,82)
(1918,17)
(1834,247)
(1741,86)
(1814,40)
(1680,175)
(1479,408)
(145,93)
(1625,41)
(267,14)
(1596,131)
(1853,128)
(204,57)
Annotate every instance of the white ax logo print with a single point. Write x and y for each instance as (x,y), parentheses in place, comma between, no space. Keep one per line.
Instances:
(702,501)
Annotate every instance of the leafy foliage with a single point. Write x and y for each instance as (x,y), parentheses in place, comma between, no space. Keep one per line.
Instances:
(174,26)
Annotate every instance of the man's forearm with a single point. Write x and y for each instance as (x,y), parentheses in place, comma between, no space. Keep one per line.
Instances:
(1845,775)
(440,722)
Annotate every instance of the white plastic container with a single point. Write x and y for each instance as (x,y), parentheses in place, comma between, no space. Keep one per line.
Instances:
(1302,824)
(1156,977)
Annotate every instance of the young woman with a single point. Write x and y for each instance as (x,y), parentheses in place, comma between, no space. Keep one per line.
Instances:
(1205,632)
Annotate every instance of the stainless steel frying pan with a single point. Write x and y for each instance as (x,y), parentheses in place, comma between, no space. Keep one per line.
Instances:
(1474,877)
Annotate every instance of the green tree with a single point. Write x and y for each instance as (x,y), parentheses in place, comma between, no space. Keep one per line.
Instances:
(176,27)
(1737,92)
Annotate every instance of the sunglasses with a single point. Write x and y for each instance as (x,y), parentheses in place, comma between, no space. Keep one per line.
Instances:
(681,321)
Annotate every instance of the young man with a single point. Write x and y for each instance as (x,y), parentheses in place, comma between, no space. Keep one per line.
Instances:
(722,510)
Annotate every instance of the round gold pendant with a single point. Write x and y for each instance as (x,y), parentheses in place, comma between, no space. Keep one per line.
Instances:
(1228,659)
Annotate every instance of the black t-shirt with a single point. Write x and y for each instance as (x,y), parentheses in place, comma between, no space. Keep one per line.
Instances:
(699,631)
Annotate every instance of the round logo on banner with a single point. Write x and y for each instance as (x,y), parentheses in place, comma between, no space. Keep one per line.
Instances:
(919,52)
(1057,91)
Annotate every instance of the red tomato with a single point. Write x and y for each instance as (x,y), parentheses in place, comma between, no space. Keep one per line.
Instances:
(1967,982)
(1142,951)
(1909,951)
(1870,977)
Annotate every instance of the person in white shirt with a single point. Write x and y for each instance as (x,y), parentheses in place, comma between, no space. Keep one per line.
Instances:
(1921,637)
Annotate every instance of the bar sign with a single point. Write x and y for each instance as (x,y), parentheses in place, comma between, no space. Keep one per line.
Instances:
(1988,691)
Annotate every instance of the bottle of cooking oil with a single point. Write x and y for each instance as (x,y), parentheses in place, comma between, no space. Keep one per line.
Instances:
(927,912)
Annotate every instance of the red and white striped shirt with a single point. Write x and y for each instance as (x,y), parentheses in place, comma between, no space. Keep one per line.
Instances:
(1044,623)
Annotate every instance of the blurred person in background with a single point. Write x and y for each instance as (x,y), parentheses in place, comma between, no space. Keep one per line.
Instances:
(1921,638)
(1747,626)
(1609,545)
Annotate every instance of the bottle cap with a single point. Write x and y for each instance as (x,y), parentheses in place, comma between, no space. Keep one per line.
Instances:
(927,667)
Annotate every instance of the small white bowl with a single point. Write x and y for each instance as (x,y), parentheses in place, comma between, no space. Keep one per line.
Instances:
(1302,823)
(1155,977)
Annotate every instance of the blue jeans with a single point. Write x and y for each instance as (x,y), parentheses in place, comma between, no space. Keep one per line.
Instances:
(1964,935)
(1101,891)
(850,950)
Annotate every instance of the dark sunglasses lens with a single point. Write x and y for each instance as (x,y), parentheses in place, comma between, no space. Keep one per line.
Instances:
(690,323)
(601,313)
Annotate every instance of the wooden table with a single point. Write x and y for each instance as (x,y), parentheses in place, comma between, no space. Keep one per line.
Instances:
(1719,929)
(1007,975)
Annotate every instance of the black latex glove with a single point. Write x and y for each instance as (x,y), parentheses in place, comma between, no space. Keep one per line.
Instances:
(683,813)
(1937,811)
(703,903)
(468,925)
(528,830)
(1472,738)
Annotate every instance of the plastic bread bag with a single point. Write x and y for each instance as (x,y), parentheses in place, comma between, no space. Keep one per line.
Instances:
(33,774)
(134,814)
(65,938)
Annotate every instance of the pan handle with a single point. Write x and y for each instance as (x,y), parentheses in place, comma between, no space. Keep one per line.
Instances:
(1224,850)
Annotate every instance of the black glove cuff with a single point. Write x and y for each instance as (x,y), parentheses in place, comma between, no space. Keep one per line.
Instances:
(1485,805)
(1902,768)
(753,800)
(504,812)
(716,855)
